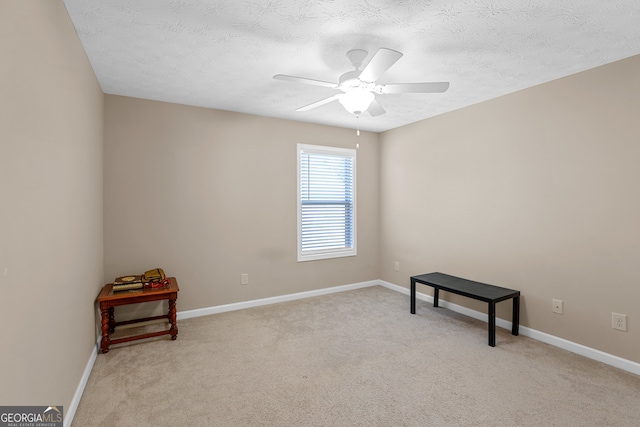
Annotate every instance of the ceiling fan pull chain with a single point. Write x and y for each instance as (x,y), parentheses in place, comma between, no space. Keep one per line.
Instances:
(357,125)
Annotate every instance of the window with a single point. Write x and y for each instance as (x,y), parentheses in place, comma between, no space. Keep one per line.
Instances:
(326,202)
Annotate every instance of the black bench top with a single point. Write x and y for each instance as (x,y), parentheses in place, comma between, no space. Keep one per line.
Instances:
(468,288)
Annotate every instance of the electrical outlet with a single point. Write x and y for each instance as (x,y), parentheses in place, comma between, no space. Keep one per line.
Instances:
(396,266)
(557,306)
(244,279)
(619,321)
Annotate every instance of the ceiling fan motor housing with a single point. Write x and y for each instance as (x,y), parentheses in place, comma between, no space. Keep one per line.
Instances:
(349,81)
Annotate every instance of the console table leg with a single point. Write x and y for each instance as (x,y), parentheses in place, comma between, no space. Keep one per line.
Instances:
(104,344)
(413,297)
(112,320)
(492,324)
(515,318)
(172,319)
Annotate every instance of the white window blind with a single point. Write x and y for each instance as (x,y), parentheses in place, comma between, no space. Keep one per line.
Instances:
(326,202)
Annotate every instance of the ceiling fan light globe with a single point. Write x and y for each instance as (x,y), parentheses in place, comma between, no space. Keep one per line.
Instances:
(356,101)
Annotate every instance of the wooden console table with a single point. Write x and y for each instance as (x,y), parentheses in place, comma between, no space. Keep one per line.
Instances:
(480,291)
(109,299)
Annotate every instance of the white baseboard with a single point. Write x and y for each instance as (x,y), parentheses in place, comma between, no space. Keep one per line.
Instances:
(273,300)
(606,358)
(591,353)
(70,412)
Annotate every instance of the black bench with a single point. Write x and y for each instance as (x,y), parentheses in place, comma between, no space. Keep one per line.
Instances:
(476,290)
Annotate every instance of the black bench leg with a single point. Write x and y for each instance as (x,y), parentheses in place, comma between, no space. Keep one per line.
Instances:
(492,324)
(515,318)
(413,296)
(436,295)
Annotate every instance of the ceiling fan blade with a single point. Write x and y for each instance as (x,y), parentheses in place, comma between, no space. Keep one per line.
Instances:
(318,103)
(305,81)
(375,109)
(381,62)
(430,87)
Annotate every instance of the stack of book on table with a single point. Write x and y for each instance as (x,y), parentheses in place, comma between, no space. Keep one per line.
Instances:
(150,279)
(126,283)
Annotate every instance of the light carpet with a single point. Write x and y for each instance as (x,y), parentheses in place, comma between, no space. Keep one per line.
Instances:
(355,358)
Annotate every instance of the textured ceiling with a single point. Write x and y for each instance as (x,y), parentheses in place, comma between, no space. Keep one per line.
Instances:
(223,54)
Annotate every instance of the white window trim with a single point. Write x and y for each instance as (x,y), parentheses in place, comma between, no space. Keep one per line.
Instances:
(333,253)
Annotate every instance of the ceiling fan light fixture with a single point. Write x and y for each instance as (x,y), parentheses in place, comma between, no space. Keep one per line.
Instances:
(356,101)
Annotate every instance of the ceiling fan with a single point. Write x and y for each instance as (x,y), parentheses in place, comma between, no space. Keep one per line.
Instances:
(359,87)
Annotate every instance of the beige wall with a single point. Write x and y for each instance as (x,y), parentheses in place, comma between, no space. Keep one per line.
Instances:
(208,195)
(537,191)
(51,259)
